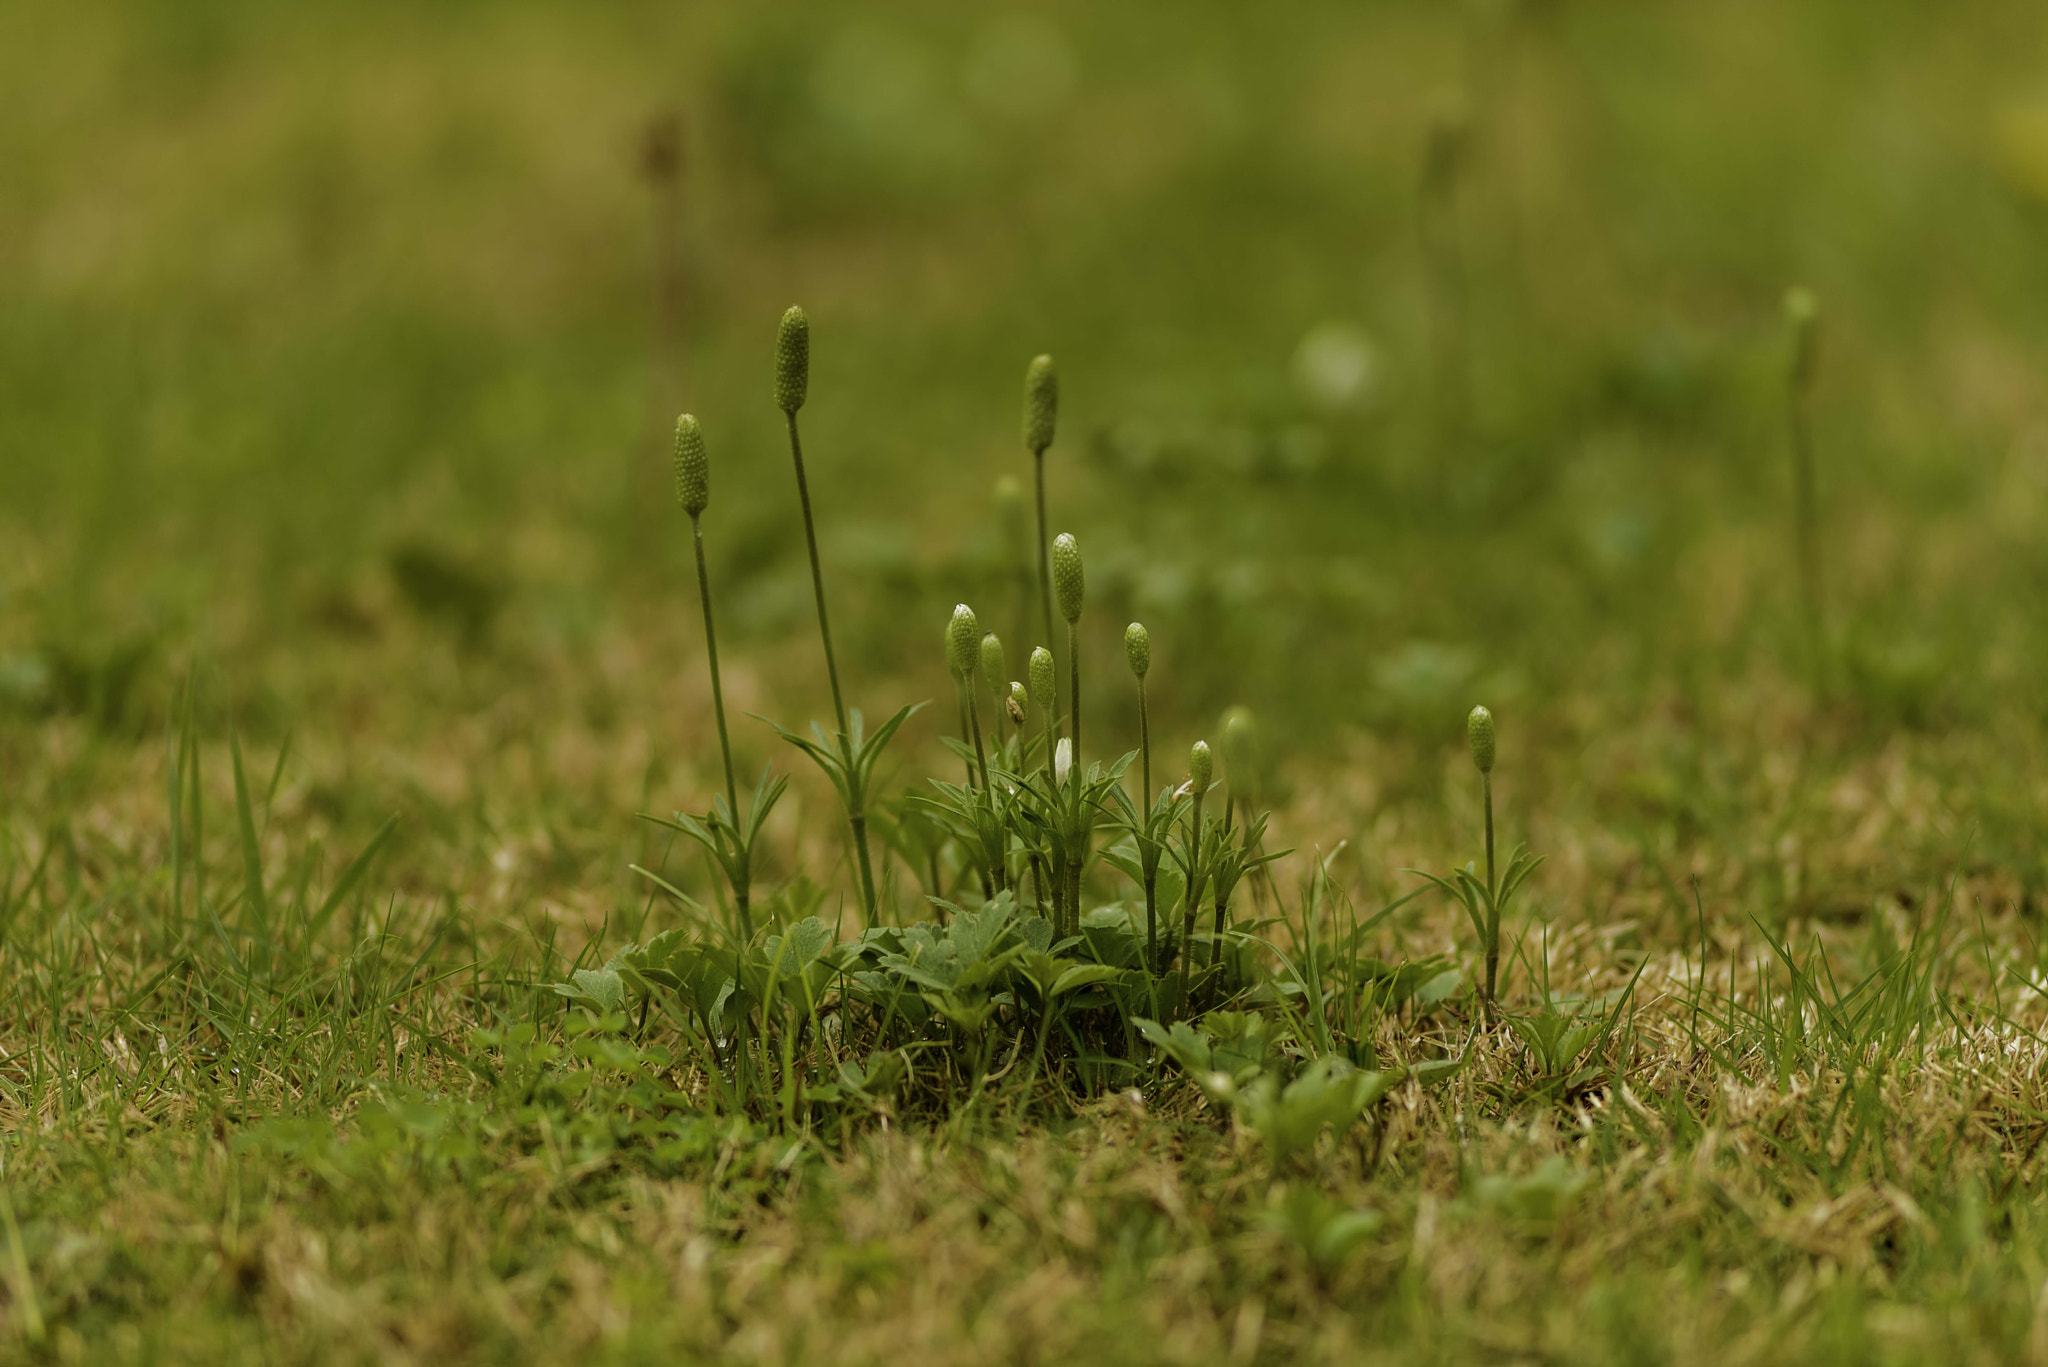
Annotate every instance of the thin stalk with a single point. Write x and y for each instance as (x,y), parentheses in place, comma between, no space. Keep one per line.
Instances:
(1806,523)
(997,872)
(1144,749)
(1492,896)
(963,690)
(803,493)
(1194,903)
(732,796)
(1152,921)
(1074,707)
(1044,556)
(1222,895)
(855,817)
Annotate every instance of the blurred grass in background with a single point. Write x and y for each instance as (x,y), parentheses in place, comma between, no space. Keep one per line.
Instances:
(1412,352)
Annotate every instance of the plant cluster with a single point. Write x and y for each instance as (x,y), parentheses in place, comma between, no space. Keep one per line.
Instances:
(1033,955)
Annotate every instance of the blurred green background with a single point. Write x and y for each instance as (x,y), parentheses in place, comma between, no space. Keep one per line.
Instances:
(1412,353)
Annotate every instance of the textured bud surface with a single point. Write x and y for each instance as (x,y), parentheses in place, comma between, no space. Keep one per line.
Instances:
(1041,403)
(1479,735)
(693,467)
(994,667)
(1018,701)
(792,360)
(1041,676)
(1138,648)
(963,635)
(1068,585)
(1201,767)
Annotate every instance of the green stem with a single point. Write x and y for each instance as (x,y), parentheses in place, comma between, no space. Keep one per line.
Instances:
(859,821)
(1193,905)
(803,493)
(732,797)
(1806,520)
(1044,558)
(1152,922)
(1074,684)
(1144,750)
(1222,892)
(1492,898)
(998,870)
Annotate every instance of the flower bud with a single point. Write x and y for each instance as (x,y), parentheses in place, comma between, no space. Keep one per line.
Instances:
(1241,749)
(693,467)
(1041,404)
(1043,683)
(994,667)
(1016,702)
(1062,759)
(961,634)
(1138,648)
(1069,587)
(1802,311)
(1479,735)
(792,360)
(1201,768)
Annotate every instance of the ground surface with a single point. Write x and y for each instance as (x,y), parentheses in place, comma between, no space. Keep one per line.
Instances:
(1413,358)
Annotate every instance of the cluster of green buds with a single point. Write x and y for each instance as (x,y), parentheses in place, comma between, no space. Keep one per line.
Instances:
(1479,737)
(1138,649)
(963,634)
(792,360)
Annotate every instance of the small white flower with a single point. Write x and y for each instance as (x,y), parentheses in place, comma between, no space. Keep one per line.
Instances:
(1063,759)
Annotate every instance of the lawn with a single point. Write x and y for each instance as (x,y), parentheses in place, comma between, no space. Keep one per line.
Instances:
(1665,380)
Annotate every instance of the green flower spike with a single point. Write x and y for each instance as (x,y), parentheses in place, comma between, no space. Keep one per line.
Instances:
(1070,586)
(1479,735)
(792,360)
(1041,404)
(962,634)
(693,467)
(1138,650)
(993,666)
(1201,767)
(1018,700)
(1043,687)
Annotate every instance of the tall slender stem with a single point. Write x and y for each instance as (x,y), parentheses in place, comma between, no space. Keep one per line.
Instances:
(1144,749)
(1074,706)
(732,797)
(1492,896)
(856,818)
(998,869)
(1222,894)
(1194,903)
(1045,561)
(803,493)
(1806,527)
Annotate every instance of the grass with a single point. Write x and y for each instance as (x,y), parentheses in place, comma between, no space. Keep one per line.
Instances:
(1411,358)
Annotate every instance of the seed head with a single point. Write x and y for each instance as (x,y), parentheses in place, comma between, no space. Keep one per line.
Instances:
(693,467)
(1043,683)
(1016,700)
(1201,767)
(792,360)
(1802,311)
(961,634)
(993,666)
(1069,586)
(1138,648)
(1241,749)
(1479,735)
(1041,403)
